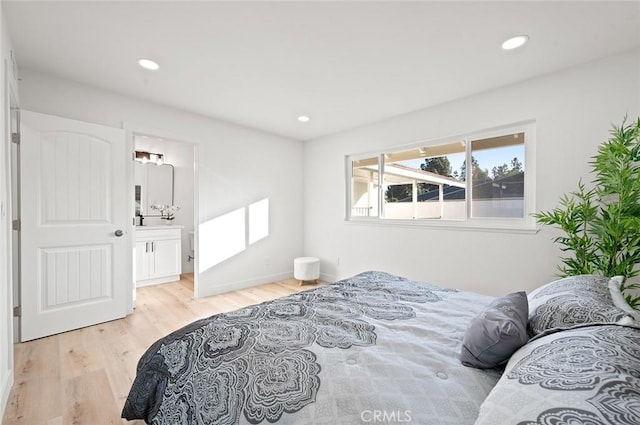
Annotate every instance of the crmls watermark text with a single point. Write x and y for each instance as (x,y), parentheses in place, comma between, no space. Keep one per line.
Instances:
(385,416)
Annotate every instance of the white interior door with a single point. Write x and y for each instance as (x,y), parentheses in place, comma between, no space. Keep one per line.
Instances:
(76,270)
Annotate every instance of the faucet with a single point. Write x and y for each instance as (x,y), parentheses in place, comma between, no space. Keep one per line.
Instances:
(141,219)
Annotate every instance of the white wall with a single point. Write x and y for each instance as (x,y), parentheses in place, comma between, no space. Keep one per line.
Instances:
(573,110)
(180,155)
(6,293)
(237,166)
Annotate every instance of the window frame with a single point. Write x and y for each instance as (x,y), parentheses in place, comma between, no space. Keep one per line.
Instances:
(526,224)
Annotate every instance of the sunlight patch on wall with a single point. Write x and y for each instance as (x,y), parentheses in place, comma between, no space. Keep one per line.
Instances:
(230,234)
(222,238)
(258,220)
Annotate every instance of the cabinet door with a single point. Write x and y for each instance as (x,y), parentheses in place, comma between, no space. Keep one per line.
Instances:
(142,260)
(166,258)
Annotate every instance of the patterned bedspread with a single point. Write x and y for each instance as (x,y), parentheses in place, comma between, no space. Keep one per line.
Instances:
(374,348)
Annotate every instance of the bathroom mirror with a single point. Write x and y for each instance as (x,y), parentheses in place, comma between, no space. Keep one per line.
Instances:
(153,185)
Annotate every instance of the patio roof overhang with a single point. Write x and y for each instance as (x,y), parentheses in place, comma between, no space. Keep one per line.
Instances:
(401,174)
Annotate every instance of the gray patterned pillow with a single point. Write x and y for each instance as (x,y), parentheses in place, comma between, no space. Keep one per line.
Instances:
(572,301)
(497,332)
(586,376)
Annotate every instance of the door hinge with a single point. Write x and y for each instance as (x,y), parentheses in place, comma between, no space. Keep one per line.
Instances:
(17,311)
(17,225)
(15,138)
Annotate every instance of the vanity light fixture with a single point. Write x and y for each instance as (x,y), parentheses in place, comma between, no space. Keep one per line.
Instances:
(304,118)
(148,64)
(515,42)
(144,157)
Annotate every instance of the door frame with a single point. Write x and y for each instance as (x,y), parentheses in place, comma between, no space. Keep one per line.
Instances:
(132,130)
(10,99)
(14,202)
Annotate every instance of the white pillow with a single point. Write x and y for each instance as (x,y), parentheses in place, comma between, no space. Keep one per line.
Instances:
(620,302)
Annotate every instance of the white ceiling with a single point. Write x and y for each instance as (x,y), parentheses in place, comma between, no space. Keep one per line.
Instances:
(345,64)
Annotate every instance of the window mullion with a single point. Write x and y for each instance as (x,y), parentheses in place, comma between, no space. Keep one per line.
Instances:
(468,177)
(381,188)
(348,168)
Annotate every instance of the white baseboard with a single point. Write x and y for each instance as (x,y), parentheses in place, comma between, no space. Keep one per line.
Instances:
(243,284)
(329,278)
(6,389)
(157,281)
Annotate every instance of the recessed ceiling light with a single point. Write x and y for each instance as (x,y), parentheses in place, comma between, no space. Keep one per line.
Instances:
(148,64)
(515,42)
(304,118)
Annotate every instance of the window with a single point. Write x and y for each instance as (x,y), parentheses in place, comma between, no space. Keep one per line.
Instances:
(481,179)
(364,187)
(498,191)
(421,183)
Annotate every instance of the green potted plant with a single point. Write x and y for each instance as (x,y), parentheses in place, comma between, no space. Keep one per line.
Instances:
(601,225)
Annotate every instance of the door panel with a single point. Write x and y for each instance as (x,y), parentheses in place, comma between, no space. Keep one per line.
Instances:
(75,271)
(75,275)
(75,178)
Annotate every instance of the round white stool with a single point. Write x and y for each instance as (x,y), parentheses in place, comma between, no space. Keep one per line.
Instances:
(306,268)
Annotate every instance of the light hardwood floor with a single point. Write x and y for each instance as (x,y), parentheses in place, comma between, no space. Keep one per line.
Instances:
(83,377)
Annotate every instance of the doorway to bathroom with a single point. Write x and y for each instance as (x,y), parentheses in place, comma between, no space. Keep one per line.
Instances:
(164,211)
